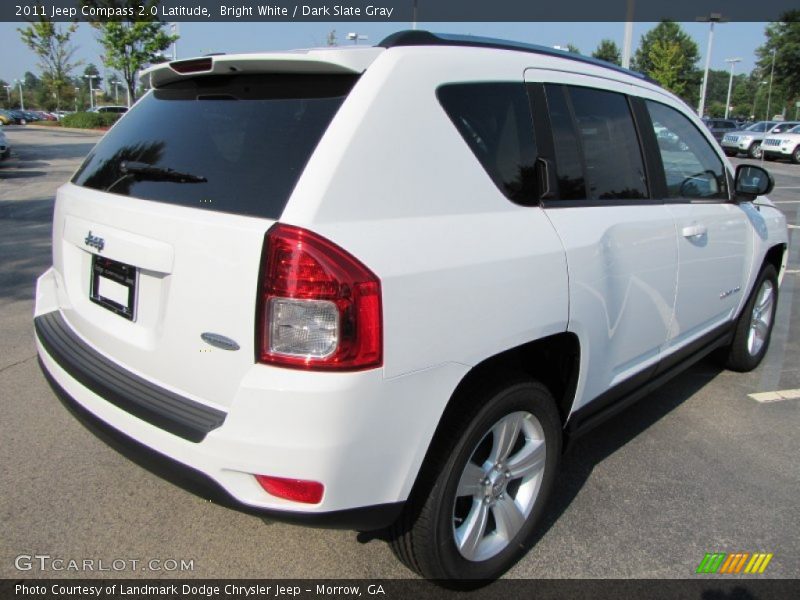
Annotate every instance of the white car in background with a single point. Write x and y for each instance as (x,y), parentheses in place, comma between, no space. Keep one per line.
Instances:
(784,145)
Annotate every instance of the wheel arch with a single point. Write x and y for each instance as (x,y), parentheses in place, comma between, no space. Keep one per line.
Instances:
(554,361)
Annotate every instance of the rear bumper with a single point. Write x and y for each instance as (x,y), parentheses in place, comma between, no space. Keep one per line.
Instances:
(362,436)
(365,518)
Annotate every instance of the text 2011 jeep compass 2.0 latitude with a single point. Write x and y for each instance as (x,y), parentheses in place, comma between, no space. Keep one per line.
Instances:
(382,286)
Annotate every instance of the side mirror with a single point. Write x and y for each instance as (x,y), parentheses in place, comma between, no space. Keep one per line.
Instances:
(751,181)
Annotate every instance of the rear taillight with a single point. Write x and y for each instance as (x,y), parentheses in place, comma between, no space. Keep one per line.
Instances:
(318,306)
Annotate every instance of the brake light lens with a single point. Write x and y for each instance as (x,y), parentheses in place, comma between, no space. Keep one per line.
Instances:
(318,306)
(297,490)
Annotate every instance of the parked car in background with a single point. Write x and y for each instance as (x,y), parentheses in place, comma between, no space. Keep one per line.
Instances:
(45,116)
(746,140)
(783,145)
(719,127)
(5,149)
(17,117)
(110,109)
(5,118)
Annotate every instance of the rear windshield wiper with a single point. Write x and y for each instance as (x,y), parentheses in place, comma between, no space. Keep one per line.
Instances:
(145,171)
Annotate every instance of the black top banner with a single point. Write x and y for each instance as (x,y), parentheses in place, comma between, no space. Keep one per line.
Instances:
(401,10)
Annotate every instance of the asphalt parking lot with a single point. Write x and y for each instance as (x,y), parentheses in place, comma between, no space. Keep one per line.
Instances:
(697,467)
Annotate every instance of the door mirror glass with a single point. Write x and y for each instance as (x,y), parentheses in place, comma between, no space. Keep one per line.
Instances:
(752,181)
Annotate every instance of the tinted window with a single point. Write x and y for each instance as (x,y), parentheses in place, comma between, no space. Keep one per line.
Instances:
(569,168)
(692,167)
(614,166)
(241,141)
(759,127)
(782,127)
(495,121)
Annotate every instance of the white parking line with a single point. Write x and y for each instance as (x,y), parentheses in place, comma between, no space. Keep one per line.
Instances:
(787,201)
(778,396)
(793,226)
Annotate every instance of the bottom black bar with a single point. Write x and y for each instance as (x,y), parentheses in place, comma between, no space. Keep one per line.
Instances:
(703,588)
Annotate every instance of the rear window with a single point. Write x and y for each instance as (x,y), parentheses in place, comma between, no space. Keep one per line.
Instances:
(495,121)
(234,144)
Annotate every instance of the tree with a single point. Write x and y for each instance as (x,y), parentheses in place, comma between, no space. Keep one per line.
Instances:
(666,64)
(669,34)
(608,51)
(572,48)
(50,42)
(783,38)
(131,44)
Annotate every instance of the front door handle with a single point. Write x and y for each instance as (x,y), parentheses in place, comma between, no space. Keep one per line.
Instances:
(691,231)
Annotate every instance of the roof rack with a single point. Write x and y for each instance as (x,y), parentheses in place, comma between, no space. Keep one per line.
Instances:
(426,38)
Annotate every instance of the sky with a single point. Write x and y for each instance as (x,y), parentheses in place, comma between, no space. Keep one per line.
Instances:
(731,40)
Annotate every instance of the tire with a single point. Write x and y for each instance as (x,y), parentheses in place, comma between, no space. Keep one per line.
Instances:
(754,151)
(796,155)
(730,152)
(754,326)
(469,517)
(767,157)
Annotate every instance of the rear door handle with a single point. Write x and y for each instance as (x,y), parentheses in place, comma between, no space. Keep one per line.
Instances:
(691,231)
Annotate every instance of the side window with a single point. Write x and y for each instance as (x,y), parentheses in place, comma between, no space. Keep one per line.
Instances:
(614,165)
(495,121)
(692,168)
(569,169)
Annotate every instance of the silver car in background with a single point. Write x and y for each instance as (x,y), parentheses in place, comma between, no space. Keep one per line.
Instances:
(748,141)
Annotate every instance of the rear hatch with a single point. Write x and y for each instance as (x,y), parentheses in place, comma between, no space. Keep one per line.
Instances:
(158,237)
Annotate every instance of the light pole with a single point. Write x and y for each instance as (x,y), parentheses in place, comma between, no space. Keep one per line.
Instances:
(115,83)
(712,18)
(733,62)
(755,98)
(77,90)
(91,89)
(8,92)
(771,75)
(173,27)
(21,99)
(627,41)
(355,37)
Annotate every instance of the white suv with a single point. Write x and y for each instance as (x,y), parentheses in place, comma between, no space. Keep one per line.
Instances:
(783,145)
(384,286)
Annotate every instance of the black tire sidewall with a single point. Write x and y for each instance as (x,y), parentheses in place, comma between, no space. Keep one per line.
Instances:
(526,396)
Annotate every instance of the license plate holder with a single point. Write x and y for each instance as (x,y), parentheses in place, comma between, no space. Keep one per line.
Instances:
(113,286)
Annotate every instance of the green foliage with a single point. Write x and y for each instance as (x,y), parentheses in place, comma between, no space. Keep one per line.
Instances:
(666,64)
(573,48)
(715,109)
(51,43)
(130,43)
(89,120)
(608,51)
(665,37)
(783,38)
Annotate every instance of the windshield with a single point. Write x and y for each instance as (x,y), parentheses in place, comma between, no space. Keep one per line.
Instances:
(782,127)
(795,129)
(759,127)
(227,143)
